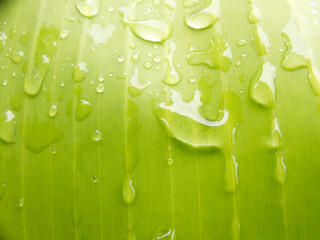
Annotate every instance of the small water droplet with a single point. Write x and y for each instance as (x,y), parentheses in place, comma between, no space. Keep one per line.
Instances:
(96,135)
(241,42)
(136,56)
(132,45)
(21,203)
(121,58)
(95,179)
(80,72)
(110,9)
(53,110)
(170,162)
(5,82)
(16,56)
(101,78)
(280,171)
(53,150)
(16,101)
(157,59)
(7,127)
(172,77)
(64,33)
(193,78)
(100,88)
(147,65)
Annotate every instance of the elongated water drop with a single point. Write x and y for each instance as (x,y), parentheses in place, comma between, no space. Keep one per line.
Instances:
(172,77)
(152,30)
(21,203)
(231,175)
(7,127)
(88,8)
(262,90)
(280,171)
(47,44)
(136,56)
(275,139)
(128,191)
(205,16)
(217,56)
(255,14)
(164,234)
(53,110)
(135,88)
(261,40)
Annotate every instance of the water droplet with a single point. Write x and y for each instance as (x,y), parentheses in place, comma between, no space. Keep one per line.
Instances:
(297,54)
(24,38)
(172,77)
(80,72)
(203,17)
(16,101)
(262,90)
(190,3)
(16,56)
(95,179)
(64,33)
(280,169)
(132,45)
(241,42)
(5,82)
(147,65)
(88,8)
(164,234)
(96,136)
(83,110)
(275,139)
(136,56)
(170,162)
(231,174)
(100,35)
(135,88)
(261,40)
(314,12)
(7,127)
(150,30)
(217,56)
(110,9)
(47,44)
(121,58)
(53,110)
(21,203)
(255,14)
(53,150)
(128,191)
(100,88)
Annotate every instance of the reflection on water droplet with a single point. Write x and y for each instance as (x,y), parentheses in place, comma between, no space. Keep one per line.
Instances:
(150,29)
(80,72)
(47,44)
(262,90)
(110,9)
(255,14)
(217,56)
(7,127)
(280,169)
(100,35)
(128,191)
(172,77)
(96,136)
(165,234)
(275,139)
(135,88)
(203,17)
(53,110)
(16,56)
(88,8)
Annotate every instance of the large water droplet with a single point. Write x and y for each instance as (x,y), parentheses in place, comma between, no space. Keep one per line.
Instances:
(298,54)
(217,56)
(7,127)
(135,88)
(47,44)
(203,17)
(128,191)
(100,35)
(16,56)
(261,40)
(152,30)
(172,77)
(41,135)
(255,14)
(262,89)
(83,109)
(88,8)
(80,72)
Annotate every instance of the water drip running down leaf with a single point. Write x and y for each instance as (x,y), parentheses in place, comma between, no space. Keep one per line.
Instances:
(159,119)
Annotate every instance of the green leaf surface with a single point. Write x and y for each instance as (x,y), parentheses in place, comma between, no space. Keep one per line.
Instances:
(159,119)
